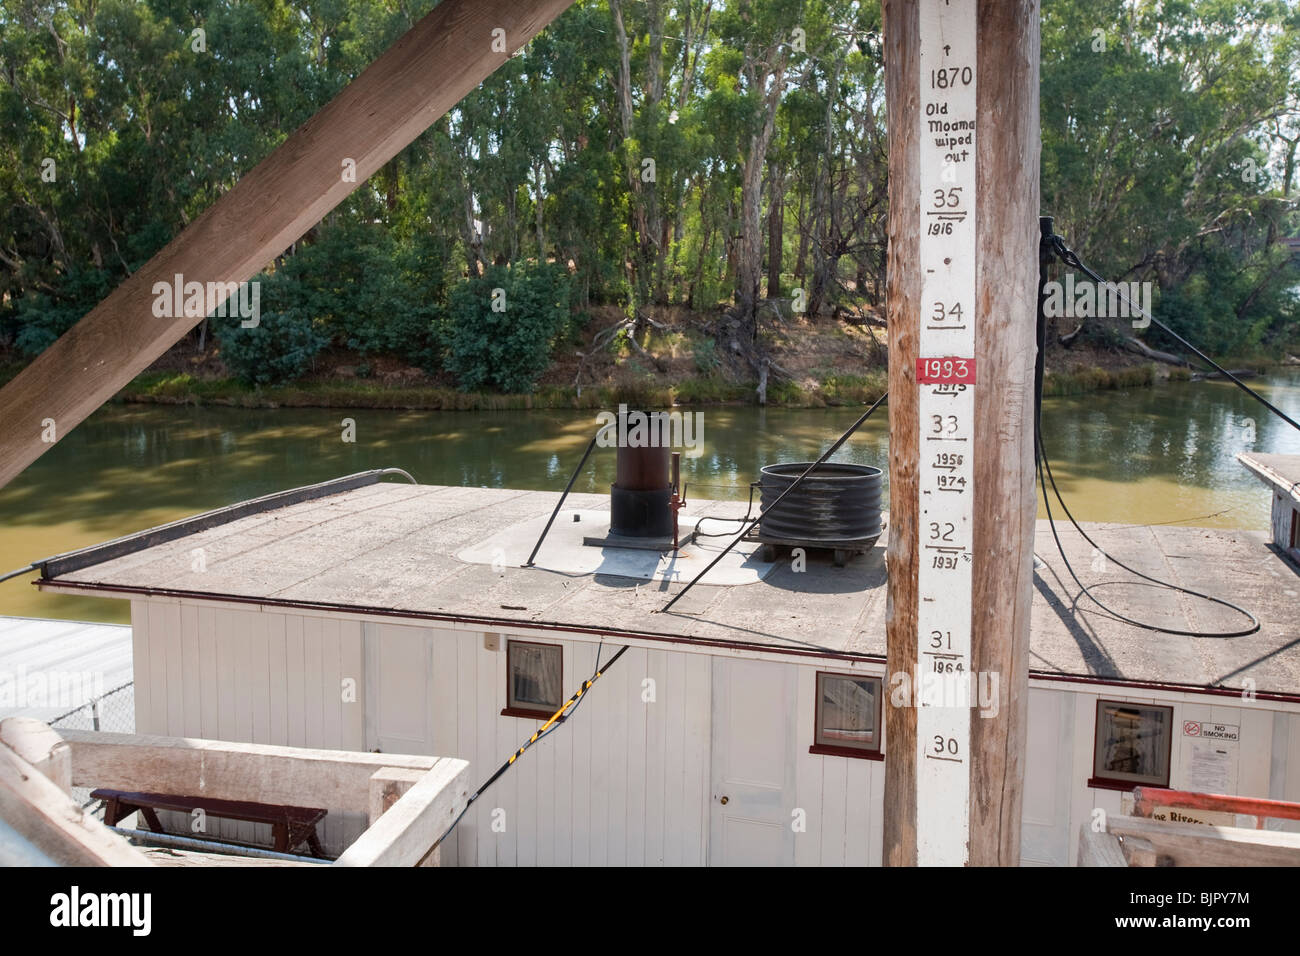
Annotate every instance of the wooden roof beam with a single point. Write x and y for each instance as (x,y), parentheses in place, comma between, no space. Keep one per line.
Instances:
(417,80)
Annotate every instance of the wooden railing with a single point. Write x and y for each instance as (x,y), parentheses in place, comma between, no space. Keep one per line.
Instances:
(1146,799)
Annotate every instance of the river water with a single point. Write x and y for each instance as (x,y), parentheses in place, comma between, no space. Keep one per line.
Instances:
(1138,456)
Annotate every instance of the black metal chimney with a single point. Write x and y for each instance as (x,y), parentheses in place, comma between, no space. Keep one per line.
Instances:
(640,500)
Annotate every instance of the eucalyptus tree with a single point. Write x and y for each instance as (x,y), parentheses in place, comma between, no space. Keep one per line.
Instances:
(1158,122)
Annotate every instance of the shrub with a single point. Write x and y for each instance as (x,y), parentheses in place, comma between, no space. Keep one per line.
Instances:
(41,319)
(706,356)
(506,347)
(357,288)
(279,349)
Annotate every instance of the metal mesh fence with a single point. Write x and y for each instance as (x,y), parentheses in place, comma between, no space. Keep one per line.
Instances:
(114,712)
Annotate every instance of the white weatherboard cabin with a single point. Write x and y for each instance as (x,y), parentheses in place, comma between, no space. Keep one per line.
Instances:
(742,727)
(1281,473)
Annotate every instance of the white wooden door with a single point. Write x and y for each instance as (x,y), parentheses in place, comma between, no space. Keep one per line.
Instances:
(752,794)
(399,672)
(1045,827)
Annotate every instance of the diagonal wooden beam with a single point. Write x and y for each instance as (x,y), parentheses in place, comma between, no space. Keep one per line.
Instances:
(418,79)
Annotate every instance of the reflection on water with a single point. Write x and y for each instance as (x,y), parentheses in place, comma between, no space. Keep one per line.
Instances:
(1145,455)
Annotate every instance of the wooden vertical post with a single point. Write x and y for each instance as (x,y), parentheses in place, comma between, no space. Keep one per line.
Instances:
(999,546)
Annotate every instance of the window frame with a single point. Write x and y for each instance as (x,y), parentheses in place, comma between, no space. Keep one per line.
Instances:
(1098,781)
(530,713)
(876,751)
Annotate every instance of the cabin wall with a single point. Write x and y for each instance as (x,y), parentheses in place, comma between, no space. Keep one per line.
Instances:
(844,796)
(627,781)
(1284,508)
(1062,724)
(624,783)
(235,673)
(631,779)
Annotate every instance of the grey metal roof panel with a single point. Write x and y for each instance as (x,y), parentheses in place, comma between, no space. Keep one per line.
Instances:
(392,548)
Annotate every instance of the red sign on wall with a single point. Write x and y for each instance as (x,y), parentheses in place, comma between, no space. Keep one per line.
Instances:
(947,370)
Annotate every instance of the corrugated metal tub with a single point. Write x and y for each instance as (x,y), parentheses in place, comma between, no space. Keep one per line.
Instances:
(837,507)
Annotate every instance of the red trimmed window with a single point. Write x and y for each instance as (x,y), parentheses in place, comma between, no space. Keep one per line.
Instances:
(847,722)
(1132,745)
(534,679)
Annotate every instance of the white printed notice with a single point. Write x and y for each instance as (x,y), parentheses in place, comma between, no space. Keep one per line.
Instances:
(1210,767)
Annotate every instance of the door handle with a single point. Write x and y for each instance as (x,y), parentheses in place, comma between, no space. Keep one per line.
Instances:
(724,800)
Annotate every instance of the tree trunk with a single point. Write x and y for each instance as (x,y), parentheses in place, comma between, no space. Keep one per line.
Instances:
(749,267)
(801,261)
(538,212)
(775,230)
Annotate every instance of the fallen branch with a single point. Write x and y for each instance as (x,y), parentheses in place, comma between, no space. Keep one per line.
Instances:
(1141,348)
(604,337)
(1068,339)
(642,317)
(598,341)
(659,363)
(1235,373)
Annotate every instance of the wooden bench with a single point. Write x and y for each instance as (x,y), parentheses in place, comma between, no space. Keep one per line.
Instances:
(291,826)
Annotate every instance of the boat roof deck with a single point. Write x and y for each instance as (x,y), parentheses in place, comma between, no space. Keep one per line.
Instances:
(1282,472)
(392,549)
(77,660)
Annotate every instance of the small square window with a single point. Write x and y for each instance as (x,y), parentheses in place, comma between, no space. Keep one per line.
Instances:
(1132,745)
(534,679)
(848,716)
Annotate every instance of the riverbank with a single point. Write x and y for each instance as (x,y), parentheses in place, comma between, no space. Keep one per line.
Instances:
(182,388)
(822,363)
(166,388)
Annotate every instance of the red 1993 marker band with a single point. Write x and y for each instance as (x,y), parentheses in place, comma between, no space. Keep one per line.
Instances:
(946,370)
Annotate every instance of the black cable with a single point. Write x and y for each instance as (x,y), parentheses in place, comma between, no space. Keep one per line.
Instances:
(1045,466)
(1049,245)
(566,711)
(1071,259)
(559,504)
(722,534)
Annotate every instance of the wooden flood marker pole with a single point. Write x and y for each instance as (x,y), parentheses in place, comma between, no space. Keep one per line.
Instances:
(962,92)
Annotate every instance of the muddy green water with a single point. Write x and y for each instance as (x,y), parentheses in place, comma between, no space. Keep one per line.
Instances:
(1140,456)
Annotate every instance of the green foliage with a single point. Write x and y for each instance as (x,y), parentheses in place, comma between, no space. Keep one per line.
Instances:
(41,318)
(279,349)
(1231,307)
(358,288)
(1169,155)
(1158,123)
(705,352)
(500,326)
